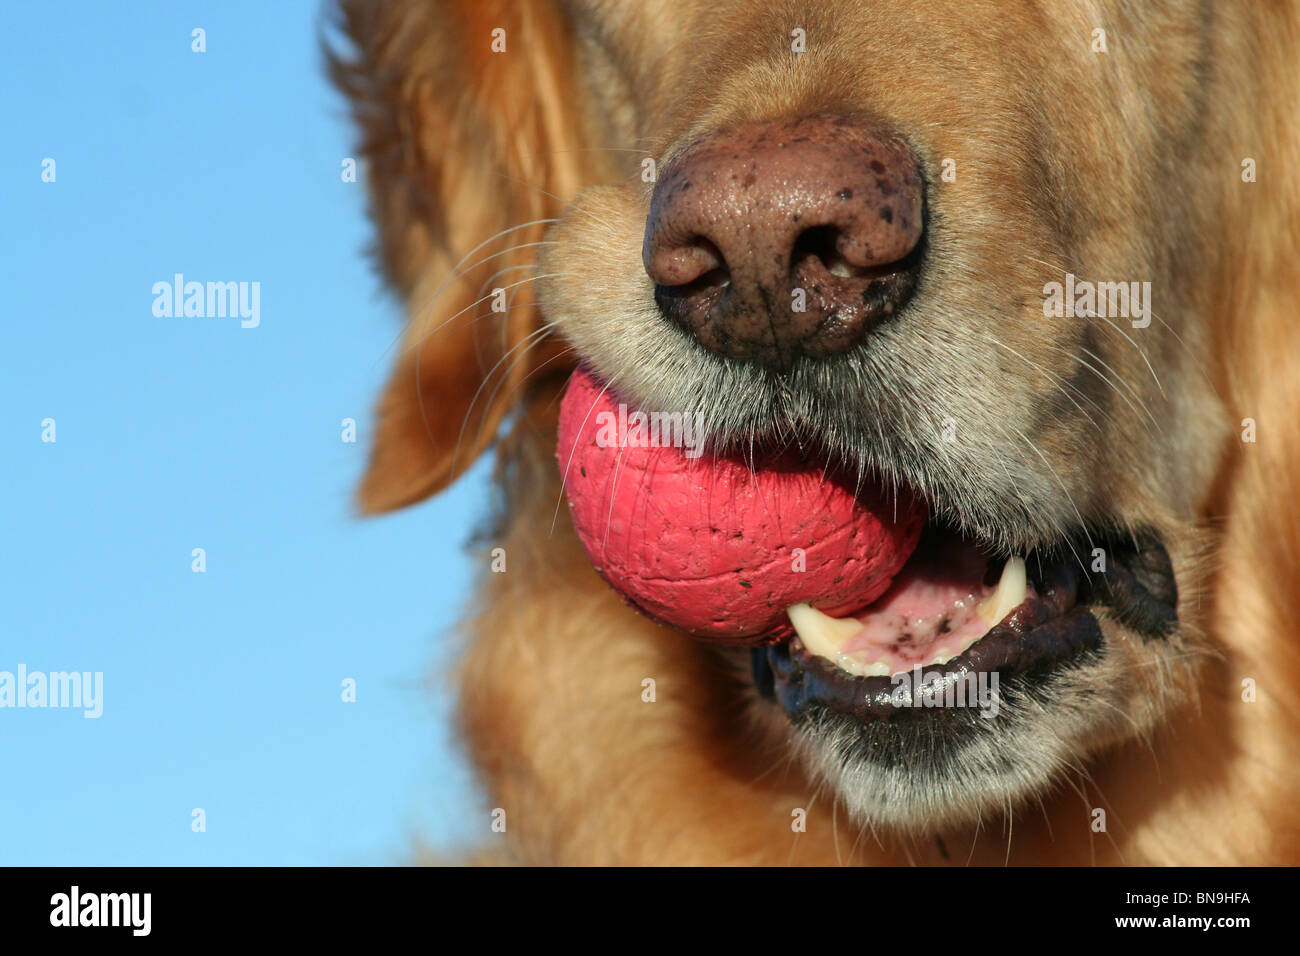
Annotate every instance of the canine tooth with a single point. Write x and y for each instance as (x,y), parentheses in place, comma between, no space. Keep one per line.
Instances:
(822,634)
(1010,592)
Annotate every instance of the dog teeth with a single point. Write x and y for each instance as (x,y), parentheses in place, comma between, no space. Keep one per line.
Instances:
(1011,591)
(822,634)
(826,637)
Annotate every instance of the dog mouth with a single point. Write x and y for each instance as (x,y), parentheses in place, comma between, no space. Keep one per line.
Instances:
(839,582)
(959,617)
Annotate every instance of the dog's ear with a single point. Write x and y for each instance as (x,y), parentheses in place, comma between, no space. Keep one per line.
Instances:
(470,133)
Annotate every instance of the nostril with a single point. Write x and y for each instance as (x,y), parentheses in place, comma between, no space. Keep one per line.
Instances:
(685,264)
(828,245)
(689,279)
(711,280)
(821,243)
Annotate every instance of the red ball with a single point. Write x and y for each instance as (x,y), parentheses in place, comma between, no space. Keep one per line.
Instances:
(707,545)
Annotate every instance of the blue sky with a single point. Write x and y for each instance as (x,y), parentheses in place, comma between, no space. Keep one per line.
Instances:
(221,690)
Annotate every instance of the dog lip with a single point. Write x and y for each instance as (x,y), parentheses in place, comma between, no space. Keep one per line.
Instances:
(800,680)
(1139,586)
(1049,630)
(1044,631)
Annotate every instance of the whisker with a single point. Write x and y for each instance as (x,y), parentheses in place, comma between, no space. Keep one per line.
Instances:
(510,304)
(544,192)
(578,211)
(1068,497)
(1011,830)
(613,489)
(482,299)
(565,477)
(1141,351)
(506,251)
(1196,361)
(566,351)
(1060,387)
(1113,387)
(455,273)
(598,149)
(419,354)
(483,382)
(1119,378)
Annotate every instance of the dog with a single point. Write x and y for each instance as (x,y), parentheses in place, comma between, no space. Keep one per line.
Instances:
(1050,254)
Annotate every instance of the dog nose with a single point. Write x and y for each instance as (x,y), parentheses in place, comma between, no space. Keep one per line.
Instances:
(776,240)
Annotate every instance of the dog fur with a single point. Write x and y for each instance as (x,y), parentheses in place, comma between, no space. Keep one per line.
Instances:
(521,170)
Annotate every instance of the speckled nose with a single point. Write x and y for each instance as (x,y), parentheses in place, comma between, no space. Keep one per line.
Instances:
(773,241)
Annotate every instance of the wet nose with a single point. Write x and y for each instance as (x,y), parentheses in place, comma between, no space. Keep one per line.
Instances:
(777,240)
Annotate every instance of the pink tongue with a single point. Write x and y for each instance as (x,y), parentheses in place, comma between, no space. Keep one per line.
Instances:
(929,610)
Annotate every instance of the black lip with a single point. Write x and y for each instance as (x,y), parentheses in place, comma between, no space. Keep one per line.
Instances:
(1138,586)
(1045,633)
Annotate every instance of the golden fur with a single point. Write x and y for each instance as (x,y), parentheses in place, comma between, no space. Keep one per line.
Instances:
(469,150)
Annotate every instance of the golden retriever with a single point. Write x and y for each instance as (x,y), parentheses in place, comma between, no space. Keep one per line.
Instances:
(519,156)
